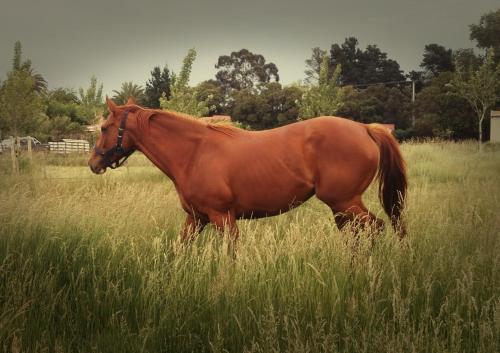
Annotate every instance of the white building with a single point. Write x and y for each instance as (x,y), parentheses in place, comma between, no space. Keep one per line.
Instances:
(495,126)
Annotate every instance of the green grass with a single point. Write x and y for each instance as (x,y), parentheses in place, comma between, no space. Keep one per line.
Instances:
(93,264)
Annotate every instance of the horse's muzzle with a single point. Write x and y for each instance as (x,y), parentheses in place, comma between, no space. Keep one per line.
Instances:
(96,166)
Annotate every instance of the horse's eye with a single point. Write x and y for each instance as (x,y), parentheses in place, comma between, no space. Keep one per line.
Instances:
(103,129)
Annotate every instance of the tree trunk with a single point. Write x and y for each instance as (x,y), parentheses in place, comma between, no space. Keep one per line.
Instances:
(481,132)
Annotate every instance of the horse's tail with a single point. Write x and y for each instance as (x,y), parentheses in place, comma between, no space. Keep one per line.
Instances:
(392,176)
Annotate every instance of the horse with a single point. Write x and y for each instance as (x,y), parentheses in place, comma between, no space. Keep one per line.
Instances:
(223,173)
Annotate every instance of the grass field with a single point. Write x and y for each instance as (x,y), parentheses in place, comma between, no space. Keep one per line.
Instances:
(93,264)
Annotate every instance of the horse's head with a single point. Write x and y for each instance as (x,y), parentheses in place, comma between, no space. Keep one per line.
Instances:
(115,144)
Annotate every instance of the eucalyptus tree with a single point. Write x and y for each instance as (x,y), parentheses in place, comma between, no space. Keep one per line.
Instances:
(243,69)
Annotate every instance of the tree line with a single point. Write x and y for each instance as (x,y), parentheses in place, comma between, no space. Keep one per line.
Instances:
(454,90)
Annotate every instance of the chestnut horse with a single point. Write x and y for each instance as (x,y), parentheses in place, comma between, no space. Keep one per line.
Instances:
(224,173)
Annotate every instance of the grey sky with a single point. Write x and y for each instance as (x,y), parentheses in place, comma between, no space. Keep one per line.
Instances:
(121,40)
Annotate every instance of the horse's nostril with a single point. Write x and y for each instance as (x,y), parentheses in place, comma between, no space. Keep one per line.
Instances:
(93,168)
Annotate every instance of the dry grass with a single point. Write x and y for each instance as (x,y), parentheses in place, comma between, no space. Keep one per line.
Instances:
(94,264)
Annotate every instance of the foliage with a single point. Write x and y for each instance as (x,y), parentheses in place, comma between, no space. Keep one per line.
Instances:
(437,59)
(91,101)
(181,81)
(466,59)
(21,108)
(363,67)
(129,90)
(63,95)
(480,88)
(282,102)
(313,65)
(269,107)
(39,83)
(244,70)
(441,113)
(324,98)
(62,102)
(378,104)
(211,92)
(248,107)
(487,33)
(183,98)
(18,52)
(157,86)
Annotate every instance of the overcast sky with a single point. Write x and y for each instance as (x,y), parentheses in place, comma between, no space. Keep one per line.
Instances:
(122,40)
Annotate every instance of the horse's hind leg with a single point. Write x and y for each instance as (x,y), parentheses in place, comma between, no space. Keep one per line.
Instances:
(355,213)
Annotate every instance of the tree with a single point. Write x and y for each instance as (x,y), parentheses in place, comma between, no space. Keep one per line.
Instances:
(183,98)
(91,101)
(313,65)
(21,108)
(480,88)
(39,83)
(466,59)
(129,90)
(244,69)
(283,103)
(16,60)
(437,59)
(63,102)
(377,104)
(249,108)
(487,33)
(63,95)
(157,86)
(439,112)
(212,93)
(271,106)
(324,98)
(363,67)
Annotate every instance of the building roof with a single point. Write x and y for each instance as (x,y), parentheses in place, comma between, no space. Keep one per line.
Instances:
(217,118)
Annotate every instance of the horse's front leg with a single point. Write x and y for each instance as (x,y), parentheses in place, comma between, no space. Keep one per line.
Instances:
(192,226)
(226,221)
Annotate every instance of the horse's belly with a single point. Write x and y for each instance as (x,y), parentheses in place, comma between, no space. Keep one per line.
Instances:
(265,203)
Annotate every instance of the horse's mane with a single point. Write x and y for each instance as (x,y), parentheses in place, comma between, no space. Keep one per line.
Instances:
(144,117)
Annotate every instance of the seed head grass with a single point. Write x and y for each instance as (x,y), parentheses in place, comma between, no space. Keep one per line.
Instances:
(94,264)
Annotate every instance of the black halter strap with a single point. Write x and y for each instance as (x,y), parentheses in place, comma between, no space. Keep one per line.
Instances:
(117,150)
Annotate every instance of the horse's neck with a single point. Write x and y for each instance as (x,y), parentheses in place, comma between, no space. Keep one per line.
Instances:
(170,143)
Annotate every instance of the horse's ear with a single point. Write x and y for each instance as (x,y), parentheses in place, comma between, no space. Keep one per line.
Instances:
(130,101)
(111,105)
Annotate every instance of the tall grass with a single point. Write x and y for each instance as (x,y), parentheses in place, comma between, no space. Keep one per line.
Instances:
(93,264)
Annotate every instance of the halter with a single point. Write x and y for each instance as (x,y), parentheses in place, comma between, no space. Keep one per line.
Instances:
(118,149)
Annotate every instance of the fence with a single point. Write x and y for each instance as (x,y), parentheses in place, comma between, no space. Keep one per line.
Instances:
(65,147)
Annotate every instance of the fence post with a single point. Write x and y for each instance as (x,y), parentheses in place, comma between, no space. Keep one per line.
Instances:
(13,157)
(30,154)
